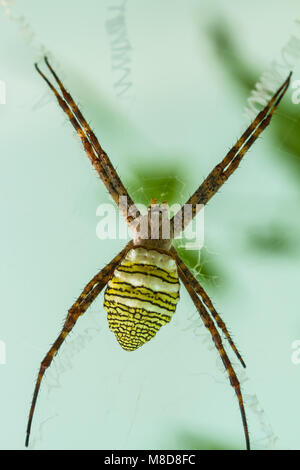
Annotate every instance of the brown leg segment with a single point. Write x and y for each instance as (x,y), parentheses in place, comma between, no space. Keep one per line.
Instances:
(88,295)
(102,155)
(200,291)
(226,167)
(106,172)
(218,343)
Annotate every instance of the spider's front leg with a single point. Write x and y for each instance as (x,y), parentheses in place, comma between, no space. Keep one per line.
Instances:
(93,149)
(229,164)
(88,295)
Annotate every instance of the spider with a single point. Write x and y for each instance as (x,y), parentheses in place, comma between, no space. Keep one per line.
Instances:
(142,281)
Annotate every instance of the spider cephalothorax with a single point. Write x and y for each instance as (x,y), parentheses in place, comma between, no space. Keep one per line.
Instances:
(143,279)
(153,229)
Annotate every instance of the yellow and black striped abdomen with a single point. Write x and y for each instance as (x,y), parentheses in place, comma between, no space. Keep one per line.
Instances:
(141,296)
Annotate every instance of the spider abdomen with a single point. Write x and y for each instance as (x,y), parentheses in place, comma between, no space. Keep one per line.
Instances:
(141,296)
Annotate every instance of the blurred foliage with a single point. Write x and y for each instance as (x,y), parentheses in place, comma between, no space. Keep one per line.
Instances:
(271,239)
(284,130)
(157,181)
(190,441)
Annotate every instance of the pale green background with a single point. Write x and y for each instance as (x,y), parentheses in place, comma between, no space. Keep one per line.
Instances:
(185,111)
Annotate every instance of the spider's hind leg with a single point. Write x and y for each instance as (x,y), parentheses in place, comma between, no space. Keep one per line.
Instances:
(209,324)
(200,291)
(88,295)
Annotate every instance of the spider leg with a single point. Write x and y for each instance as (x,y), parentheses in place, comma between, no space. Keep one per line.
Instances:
(200,291)
(102,155)
(96,155)
(209,324)
(88,295)
(230,162)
